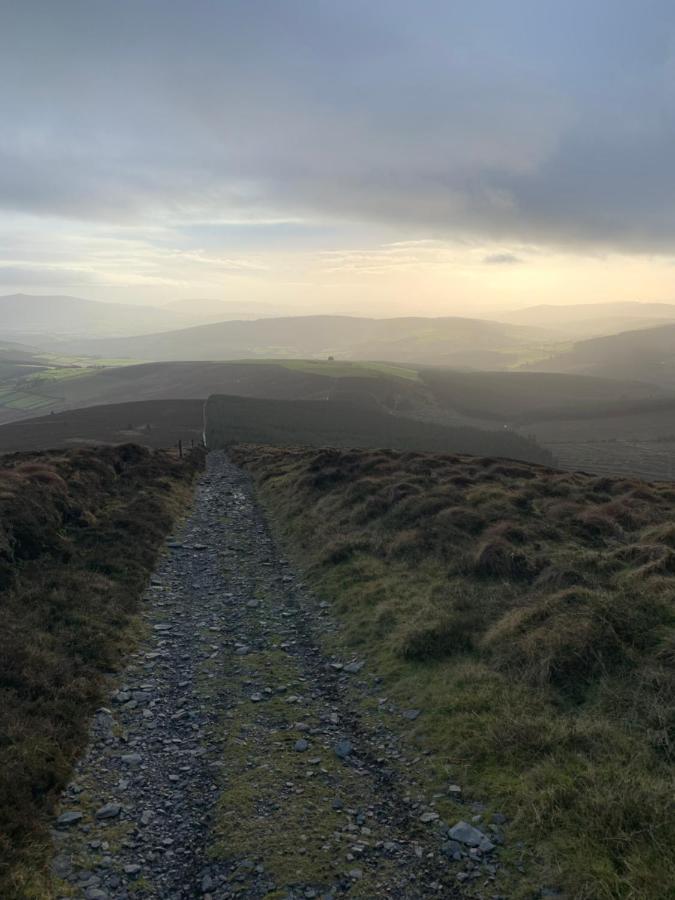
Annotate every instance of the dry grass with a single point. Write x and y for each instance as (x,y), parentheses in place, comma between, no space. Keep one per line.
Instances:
(532,613)
(79,534)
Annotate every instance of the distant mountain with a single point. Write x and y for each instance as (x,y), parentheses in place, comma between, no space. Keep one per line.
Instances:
(207,310)
(444,341)
(581,320)
(646,354)
(27,315)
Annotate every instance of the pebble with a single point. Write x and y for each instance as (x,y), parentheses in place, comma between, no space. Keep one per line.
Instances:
(343,749)
(427,817)
(109,811)
(69,818)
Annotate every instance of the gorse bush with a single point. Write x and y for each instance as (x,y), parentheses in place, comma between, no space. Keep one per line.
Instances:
(532,612)
(79,535)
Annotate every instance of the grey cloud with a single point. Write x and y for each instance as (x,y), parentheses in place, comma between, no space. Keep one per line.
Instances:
(554,126)
(501,259)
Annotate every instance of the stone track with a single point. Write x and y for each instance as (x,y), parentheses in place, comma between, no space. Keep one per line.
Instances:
(232,760)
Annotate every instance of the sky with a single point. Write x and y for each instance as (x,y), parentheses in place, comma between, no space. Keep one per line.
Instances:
(384,157)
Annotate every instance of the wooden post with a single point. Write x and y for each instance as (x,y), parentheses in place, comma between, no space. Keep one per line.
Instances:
(180,449)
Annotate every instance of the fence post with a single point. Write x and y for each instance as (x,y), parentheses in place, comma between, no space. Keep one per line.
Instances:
(180,449)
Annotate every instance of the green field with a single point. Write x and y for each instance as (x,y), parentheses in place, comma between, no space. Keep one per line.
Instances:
(23,400)
(37,387)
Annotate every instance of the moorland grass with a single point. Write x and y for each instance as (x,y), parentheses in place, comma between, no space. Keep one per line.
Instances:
(80,531)
(530,614)
(235,420)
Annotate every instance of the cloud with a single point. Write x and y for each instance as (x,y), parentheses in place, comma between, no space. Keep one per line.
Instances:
(501,259)
(431,120)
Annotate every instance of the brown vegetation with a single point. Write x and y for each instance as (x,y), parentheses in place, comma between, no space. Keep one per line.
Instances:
(79,534)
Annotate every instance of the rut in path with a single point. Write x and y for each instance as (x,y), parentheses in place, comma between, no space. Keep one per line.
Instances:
(231,762)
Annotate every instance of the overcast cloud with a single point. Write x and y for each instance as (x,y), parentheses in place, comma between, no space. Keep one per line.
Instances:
(543,121)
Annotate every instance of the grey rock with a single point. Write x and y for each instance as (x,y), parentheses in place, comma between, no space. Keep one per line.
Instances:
(427,817)
(466,834)
(344,748)
(132,759)
(301,745)
(486,845)
(109,811)
(69,818)
(452,849)
(411,714)
(132,869)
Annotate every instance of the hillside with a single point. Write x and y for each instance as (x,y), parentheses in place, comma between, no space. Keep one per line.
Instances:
(519,397)
(58,383)
(644,355)
(526,618)
(151,423)
(232,420)
(444,341)
(79,535)
(59,388)
(583,320)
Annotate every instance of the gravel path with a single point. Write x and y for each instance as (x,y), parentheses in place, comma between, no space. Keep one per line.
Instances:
(232,760)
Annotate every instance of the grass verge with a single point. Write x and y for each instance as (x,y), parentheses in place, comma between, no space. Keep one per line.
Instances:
(530,614)
(80,531)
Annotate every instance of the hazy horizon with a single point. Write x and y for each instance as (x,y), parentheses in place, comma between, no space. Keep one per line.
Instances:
(384,160)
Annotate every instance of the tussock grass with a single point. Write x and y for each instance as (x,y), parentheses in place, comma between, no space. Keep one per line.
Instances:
(531,614)
(79,534)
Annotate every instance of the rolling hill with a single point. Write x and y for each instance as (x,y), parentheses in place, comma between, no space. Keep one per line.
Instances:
(235,420)
(585,320)
(430,392)
(442,341)
(646,355)
(153,423)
